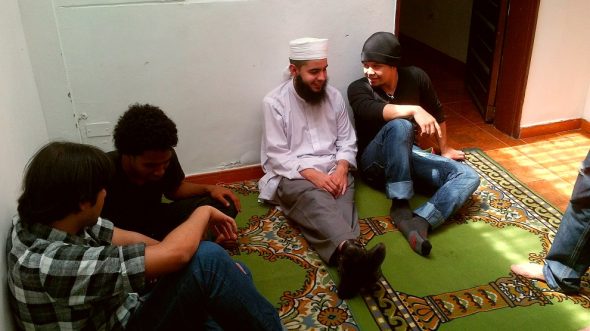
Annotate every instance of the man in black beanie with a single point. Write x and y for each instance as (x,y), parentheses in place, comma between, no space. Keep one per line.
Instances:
(388,103)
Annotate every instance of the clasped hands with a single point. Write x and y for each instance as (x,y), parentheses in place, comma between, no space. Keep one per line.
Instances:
(335,183)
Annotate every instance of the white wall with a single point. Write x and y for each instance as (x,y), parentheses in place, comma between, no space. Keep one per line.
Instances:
(22,128)
(206,63)
(442,24)
(559,74)
(38,21)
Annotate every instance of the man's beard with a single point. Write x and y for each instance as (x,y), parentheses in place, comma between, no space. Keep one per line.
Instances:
(307,94)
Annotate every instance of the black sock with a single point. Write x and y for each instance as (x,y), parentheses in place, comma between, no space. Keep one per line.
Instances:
(421,225)
(416,232)
(400,211)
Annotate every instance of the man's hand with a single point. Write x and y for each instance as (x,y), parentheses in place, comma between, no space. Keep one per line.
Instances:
(223,227)
(340,177)
(320,180)
(335,183)
(426,122)
(180,245)
(222,194)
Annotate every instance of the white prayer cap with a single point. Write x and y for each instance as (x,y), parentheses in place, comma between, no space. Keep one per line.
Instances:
(308,49)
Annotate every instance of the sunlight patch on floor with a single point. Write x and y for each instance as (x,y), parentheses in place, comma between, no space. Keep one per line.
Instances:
(548,166)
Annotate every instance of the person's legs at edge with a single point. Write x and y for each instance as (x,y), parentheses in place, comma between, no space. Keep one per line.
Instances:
(212,285)
(388,159)
(569,256)
(451,183)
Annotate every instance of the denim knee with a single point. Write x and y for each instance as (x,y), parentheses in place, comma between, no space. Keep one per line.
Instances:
(210,249)
(471,177)
(402,130)
(209,252)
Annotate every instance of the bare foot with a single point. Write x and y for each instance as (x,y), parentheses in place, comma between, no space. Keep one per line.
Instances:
(585,329)
(454,154)
(529,270)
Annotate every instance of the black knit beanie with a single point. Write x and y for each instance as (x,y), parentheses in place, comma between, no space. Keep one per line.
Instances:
(382,47)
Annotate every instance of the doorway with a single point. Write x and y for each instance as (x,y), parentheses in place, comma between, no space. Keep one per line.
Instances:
(495,73)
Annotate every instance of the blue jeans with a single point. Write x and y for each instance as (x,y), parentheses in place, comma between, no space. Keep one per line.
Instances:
(392,161)
(569,256)
(212,292)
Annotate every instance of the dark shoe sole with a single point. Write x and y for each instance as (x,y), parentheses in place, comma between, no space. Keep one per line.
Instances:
(375,257)
(352,256)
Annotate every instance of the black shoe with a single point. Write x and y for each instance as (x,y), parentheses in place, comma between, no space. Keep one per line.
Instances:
(351,258)
(374,259)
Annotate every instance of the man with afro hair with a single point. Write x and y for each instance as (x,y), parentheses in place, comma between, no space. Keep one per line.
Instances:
(147,168)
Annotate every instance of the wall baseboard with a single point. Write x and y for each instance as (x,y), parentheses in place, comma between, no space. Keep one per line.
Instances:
(541,129)
(228,176)
(255,171)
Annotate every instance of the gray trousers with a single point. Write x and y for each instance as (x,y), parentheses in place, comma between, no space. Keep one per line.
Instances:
(324,221)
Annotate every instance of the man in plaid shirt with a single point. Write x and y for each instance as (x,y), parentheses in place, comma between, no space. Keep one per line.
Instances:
(69,269)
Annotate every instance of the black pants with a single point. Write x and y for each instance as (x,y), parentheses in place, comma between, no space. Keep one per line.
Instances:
(158,222)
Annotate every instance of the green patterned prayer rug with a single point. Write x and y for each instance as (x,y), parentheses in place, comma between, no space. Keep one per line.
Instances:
(465,283)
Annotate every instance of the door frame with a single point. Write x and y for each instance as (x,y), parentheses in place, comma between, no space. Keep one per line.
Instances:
(519,35)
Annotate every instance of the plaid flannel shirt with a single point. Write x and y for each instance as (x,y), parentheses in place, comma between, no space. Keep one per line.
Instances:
(63,282)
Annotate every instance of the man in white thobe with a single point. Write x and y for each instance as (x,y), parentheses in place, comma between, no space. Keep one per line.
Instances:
(308,150)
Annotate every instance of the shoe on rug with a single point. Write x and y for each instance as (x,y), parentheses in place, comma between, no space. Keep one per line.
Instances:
(351,257)
(374,259)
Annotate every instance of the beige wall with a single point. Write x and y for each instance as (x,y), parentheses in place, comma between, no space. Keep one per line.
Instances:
(559,74)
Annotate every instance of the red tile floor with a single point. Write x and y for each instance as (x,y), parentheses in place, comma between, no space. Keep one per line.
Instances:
(547,164)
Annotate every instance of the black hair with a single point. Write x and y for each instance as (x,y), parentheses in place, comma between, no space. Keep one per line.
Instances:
(59,177)
(144,127)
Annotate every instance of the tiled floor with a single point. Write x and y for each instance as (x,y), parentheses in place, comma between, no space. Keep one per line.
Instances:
(547,164)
